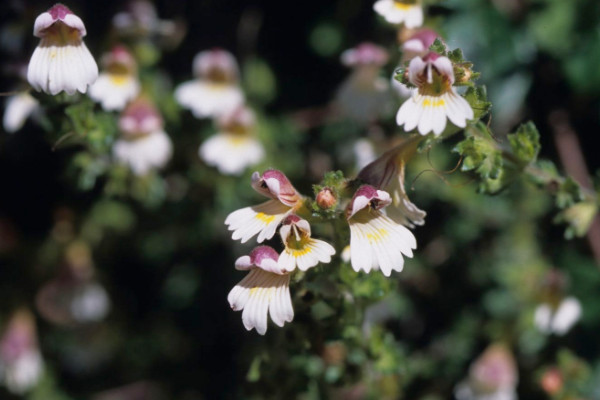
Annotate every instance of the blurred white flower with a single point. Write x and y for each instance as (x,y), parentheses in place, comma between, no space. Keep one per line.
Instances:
(18,108)
(215,90)
(409,12)
(234,147)
(557,319)
(264,218)
(300,249)
(364,94)
(376,241)
(144,145)
(434,100)
(493,376)
(61,62)
(118,83)
(21,364)
(265,290)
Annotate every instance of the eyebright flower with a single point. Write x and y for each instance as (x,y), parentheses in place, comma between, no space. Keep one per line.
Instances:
(409,12)
(264,218)
(434,98)
(74,296)
(144,145)
(557,318)
(364,94)
(215,90)
(18,108)
(118,84)
(387,173)
(376,241)
(300,249)
(265,290)
(140,20)
(61,61)
(235,147)
(21,363)
(493,376)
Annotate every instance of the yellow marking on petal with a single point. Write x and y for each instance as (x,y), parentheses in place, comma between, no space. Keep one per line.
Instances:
(236,141)
(301,252)
(266,292)
(216,87)
(118,80)
(434,103)
(402,6)
(267,219)
(378,236)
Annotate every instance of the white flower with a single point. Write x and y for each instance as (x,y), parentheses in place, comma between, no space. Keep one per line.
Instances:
(493,376)
(364,94)
(376,241)
(234,148)
(215,90)
(265,290)
(144,144)
(90,304)
(21,364)
(18,108)
(264,218)
(61,61)
(300,249)
(398,11)
(152,151)
(557,319)
(118,84)
(435,99)
(141,20)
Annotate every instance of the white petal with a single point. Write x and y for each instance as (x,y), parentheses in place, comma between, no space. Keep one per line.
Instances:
(262,219)
(144,154)
(18,108)
(567,314)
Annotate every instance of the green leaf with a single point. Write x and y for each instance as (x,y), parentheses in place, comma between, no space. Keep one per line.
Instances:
(525,143)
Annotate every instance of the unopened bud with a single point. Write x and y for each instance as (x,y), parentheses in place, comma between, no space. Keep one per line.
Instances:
(326,198)
(552,381)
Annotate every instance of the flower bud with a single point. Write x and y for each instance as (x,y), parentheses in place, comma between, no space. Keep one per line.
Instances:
(326,199)
(552,381)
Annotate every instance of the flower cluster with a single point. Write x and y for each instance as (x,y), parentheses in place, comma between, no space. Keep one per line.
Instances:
(215,92)
(378,241)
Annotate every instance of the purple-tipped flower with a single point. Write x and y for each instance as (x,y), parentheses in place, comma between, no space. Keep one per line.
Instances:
(300,249)
(409,12)
(434,100)
(376,241)
(144,144)
(264,218)
(364,94)
(365,54)
(61,62)
(21,363)
(265,290)
(492,376)
(118,84)
(215,91)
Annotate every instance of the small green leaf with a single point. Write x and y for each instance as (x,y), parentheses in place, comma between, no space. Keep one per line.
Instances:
(525,143)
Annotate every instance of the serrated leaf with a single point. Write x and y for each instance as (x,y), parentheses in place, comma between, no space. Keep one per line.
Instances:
(569,193)
(477,98)
(525,143)
(439,47)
